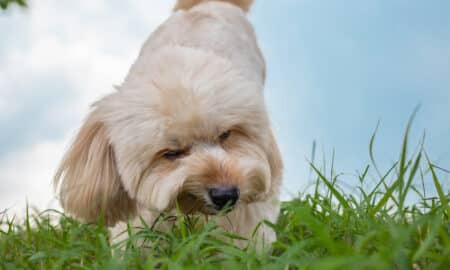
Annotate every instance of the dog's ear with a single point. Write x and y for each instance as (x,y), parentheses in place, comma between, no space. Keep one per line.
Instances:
(88,179)
(276,164)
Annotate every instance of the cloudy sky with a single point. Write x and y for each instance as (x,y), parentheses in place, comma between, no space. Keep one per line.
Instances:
(334,71)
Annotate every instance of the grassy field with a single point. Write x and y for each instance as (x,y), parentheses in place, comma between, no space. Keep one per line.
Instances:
(371,226)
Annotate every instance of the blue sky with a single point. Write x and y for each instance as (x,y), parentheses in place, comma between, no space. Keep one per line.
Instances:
(334,71)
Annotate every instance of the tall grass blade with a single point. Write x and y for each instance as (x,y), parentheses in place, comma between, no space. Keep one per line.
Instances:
(371,144)
(442,197)
(331,188)
(388,195)
(412,174)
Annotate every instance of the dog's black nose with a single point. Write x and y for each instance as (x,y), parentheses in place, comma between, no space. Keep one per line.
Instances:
(224,196)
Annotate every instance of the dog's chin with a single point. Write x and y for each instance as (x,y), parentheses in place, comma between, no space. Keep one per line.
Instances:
(189,203)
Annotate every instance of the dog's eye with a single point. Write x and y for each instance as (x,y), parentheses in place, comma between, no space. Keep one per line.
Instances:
(224,136)
(174,154)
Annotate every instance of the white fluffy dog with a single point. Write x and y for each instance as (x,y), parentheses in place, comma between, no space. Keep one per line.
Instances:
(188,126)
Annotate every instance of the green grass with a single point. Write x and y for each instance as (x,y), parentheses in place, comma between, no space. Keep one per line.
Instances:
(375,225)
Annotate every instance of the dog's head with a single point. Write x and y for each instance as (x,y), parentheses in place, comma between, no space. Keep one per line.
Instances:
(185,127)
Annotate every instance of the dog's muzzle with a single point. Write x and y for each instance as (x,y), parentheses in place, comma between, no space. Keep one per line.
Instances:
(223,197)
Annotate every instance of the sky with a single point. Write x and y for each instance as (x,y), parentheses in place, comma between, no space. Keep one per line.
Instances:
(334,72)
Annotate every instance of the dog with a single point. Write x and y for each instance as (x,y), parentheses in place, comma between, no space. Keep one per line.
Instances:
(187,130)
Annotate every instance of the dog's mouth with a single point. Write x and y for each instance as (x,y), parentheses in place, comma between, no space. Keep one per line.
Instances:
(190,203)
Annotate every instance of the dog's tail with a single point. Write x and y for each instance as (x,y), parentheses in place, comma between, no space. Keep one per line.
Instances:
(187,4)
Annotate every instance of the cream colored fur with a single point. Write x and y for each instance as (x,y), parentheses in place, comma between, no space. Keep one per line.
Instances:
(201,73)
(187,4)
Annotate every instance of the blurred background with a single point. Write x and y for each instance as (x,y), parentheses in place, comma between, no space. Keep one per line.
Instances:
(334,71)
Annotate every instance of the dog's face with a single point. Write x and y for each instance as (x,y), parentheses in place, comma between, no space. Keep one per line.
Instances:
(185,128)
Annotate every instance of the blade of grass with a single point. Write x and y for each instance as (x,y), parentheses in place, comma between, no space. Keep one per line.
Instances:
(410,179)
(382,202)
(371,144)
(442,197)
(331,188)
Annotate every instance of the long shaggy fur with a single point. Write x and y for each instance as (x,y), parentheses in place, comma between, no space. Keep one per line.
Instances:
(199,75)
(187,4)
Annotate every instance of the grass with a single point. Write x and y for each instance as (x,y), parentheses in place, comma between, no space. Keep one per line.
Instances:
(373,226)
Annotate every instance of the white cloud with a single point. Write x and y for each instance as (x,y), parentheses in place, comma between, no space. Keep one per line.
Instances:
(26,176)
(59,57)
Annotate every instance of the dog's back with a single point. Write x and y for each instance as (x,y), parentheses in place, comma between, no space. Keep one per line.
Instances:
(220,27)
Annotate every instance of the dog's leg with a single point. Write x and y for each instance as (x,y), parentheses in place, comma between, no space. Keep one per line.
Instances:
(247,217)
(120,232)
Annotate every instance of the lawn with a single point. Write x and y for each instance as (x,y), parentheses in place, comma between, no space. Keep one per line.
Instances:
(374,225)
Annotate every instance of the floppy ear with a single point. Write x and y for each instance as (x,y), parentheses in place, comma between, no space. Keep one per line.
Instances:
(88,179)
(276,164)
